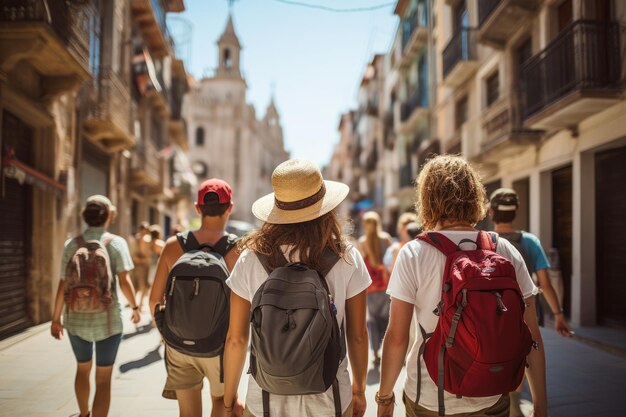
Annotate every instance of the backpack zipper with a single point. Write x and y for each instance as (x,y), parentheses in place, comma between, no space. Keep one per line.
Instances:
(500,308)
(172,286)
(196,284)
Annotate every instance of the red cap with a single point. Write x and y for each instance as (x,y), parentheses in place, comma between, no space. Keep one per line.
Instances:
(217,186)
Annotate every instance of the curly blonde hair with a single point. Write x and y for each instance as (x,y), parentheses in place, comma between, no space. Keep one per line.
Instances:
(449,190)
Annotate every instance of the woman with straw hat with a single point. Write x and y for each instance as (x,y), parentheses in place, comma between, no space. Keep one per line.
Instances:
(300,224)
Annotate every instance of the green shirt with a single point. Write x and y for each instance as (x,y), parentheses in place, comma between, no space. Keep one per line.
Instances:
(98,326)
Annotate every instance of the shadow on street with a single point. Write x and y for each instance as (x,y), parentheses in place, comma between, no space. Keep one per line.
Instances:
(151,357)
(146,328)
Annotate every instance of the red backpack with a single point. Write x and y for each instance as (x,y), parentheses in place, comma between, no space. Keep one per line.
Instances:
(481,341)
(88,277)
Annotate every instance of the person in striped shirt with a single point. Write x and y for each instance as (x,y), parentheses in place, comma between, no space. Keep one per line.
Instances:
(104,328)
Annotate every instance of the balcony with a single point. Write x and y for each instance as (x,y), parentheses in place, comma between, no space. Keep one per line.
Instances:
(576,76)
(413,109)
(502,134)
(107,106)
(150,82)
(500,19)
(150,18)
(146,167)
(46,34)
(460,57)
(414,37)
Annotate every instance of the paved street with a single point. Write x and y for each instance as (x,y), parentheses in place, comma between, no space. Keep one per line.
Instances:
(37,377)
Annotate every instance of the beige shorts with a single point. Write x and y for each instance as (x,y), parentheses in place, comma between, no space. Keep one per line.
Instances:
(347,413)
(188,372)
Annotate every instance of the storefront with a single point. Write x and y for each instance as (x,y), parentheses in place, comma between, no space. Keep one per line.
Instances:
(15,222)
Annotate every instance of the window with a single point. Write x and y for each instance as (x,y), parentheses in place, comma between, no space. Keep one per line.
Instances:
(199,136)
(460,112)
(228,63)
(493,88)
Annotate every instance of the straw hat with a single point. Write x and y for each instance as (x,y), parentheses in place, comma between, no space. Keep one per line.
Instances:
(300,194)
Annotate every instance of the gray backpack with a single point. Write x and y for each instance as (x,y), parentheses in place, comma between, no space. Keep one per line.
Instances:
(297,344)
(195,317)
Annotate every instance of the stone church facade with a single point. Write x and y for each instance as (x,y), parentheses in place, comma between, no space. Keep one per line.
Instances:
(226,138)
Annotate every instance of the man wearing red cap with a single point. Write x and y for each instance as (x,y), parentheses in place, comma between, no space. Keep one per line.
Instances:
(186,373)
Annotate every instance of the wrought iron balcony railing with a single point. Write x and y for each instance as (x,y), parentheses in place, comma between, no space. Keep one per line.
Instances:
(585,56)
(462,47)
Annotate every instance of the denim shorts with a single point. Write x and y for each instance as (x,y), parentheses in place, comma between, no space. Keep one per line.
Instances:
(106,350)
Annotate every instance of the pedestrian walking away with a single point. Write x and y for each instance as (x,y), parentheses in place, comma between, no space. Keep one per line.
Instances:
(303,286)
(503,205)
(373,245)
(436,281)
(405,235)
(92,265)
(156,247)
(189,300)
(140,250)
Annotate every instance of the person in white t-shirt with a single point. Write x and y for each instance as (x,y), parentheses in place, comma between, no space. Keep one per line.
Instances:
(451,200)
(300,223)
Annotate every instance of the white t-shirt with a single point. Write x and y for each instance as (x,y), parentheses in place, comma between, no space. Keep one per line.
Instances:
(416,279)
(345,281)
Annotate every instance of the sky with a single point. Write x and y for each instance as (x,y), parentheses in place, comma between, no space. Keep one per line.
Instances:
(312,59)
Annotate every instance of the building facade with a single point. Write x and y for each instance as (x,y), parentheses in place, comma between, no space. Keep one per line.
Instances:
(226,139)
(532,93)
(75,122)
(535,90)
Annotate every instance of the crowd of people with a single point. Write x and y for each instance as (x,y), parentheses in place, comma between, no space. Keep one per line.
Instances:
(304,299)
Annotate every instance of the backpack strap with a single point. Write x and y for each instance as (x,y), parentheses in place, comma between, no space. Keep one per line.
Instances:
(265,260)
(225,244)
(187,241)
(439,241)
(420,353)
(266,403)
(486,241)
(328,261)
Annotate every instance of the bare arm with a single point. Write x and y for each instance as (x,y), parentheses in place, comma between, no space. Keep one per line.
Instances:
(536,370)
(560,324)
(168,257)
(126,285)
(235,349)
(395,346)
(56,328)
(356,333)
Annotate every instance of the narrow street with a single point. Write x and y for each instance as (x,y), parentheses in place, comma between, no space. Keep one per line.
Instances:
(38,371)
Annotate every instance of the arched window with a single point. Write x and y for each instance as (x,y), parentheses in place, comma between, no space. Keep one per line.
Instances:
(200,136)
(228,62)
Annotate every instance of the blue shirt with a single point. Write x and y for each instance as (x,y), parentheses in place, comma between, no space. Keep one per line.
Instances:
(534,255)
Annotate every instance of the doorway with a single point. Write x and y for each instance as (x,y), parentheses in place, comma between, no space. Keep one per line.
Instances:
(15,224)
(562,228)
(610,237)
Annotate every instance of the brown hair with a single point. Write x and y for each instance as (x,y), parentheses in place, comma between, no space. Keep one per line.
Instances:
(308,239)
(373,230)
(95,215)
(449,190)
(504,216)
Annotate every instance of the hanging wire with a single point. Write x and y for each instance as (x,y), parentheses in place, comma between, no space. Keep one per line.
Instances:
(334,9)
